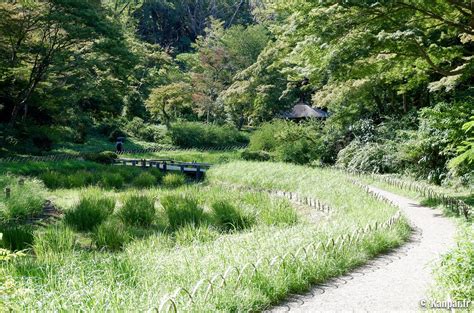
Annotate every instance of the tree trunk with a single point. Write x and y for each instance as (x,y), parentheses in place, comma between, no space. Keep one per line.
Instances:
(405,104)
(241,122)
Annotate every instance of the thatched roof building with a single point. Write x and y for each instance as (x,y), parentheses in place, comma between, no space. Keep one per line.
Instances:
(303,111)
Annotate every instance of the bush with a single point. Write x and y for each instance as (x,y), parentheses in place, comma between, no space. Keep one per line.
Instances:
(265,138)
(182,211)
(255,155)
(111,235)
(456,273)
(432,146)
(198,135)
(105,157)
(288,141)
(127,172)
(144,180)
(91,210)
(157,173)
(17,237)
(147,132)
(55,239)
(138,210)
(111,180)
(173,180)
(370,157)
(80,179)
(26,199)
(228,217)
(54,180)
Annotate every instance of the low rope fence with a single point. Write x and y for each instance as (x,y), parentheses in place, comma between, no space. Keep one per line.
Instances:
(456,206)
(64,157)
(292,196)
(182,297)
(57,157)
(205,287)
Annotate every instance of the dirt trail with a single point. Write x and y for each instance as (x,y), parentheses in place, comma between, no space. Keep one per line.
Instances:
(393,282)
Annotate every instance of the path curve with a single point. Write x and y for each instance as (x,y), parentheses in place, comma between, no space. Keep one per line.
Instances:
(392,282)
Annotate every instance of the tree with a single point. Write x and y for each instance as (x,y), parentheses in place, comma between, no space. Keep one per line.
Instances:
(175,25)
(464,162)
(38,36)
(167,101)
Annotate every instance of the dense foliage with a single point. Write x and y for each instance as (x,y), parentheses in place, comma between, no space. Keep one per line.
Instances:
(395,76)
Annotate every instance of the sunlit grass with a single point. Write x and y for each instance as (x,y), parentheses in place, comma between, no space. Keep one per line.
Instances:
(135,269)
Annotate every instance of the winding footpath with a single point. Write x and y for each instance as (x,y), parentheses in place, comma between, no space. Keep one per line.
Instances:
(397,281)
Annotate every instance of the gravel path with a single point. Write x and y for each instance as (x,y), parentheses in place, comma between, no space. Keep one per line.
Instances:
(392,282)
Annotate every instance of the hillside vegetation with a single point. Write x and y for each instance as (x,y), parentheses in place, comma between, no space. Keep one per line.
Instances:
(395,76)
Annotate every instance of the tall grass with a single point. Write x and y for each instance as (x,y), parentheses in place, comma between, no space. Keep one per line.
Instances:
(174,180)
(144,180)
(230,217)
(91,210)
(138,210)
(111,180)
(329,186)
(190,234)
(455,272)
(144,271)
(182,211)
(16,237)
(129,280)
(111,235)
(26,198)
(55,239)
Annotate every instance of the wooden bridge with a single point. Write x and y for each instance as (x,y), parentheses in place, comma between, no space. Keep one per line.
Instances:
(190,168)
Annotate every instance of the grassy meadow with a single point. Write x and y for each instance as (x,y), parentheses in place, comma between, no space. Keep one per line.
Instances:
(130,246)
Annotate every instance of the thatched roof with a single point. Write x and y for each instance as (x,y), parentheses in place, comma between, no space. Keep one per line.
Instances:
(302,110)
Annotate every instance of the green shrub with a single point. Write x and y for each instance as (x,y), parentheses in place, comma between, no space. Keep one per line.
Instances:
(265,137)
(370,157)
(25,200)
(255,155)
(144,180)
(428,151)
(91,210)
(145,131)
(111,235)
(80,179)
(55,239)
(455,274)
(199,135)
(182,210)
(173,180)
(288,141)
(105,157)
(54,180)
(138,210)
(157,173)
(17,237)
(229,217)
(111,180)
(127,172)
